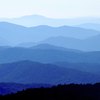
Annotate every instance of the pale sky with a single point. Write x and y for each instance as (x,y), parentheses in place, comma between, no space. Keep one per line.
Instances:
(50,8)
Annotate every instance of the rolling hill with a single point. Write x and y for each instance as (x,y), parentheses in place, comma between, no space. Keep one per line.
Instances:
(85,67)
(16,34)
(8,88)
(36,20)
(89,44)
(93,26)
(42,54)
(28,72)
(46,46)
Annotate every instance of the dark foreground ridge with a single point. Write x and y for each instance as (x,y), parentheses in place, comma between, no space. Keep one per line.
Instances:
(60,92)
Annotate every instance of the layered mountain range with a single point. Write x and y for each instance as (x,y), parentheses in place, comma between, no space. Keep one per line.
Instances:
(46,52)
(64,36)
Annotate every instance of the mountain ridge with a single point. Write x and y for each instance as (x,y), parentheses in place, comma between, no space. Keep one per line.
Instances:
(35,20)
(30,72)
(16,34)
(45,55)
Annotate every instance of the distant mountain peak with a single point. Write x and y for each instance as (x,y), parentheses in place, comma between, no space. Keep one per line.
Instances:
(33,16)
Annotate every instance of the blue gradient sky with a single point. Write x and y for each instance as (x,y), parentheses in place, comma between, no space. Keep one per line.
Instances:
(50,8)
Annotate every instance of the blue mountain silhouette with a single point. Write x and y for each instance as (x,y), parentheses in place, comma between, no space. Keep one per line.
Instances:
(16,34)
(34,72)
(94,26)
(36,20)
(43,54)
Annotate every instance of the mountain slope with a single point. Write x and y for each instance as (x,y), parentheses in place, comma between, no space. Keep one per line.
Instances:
(67,31)
(36,20)
(64,42)
(46,46)
(45,55)
(3,42)
(8,88)
(33,72)
(93,26)
(16,34)
(89,44)
(85,67)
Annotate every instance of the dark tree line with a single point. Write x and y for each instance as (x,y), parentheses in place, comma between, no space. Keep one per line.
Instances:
(60,92)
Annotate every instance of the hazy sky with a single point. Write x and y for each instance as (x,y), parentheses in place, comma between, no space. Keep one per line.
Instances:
(50,8)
